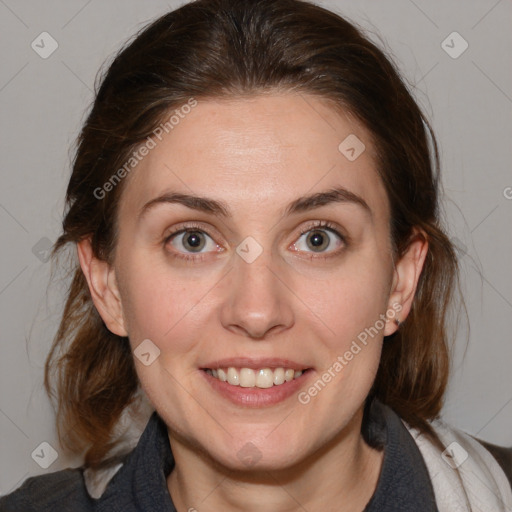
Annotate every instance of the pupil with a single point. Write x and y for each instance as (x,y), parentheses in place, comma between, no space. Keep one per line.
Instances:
(193,240)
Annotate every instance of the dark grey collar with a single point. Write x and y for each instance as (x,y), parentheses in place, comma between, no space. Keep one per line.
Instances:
(141,483)
(404,484)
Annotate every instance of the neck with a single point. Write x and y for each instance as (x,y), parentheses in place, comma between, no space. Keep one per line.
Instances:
(344,472)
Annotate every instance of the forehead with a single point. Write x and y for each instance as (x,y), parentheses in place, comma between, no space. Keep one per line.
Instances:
(259,151)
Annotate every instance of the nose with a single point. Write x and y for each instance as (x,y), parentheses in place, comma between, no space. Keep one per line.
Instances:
(257,300)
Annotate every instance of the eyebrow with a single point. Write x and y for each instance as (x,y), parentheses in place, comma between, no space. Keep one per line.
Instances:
(219,208)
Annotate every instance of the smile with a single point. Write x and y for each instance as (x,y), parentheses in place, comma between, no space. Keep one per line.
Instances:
(254,378)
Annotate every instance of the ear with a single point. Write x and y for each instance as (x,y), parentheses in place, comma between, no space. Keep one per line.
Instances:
(102,283)
(405,280)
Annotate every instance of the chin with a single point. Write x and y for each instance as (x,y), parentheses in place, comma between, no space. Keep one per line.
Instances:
(257,453)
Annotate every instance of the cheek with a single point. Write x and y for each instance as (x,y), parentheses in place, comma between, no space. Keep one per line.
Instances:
(351,300)
(163,306)
(350,307)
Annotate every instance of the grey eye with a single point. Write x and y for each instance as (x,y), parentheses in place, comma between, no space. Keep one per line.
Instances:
(318,240)
(192,241)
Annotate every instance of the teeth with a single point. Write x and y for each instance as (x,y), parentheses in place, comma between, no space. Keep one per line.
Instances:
(249,378)
(279,376)
(265,378)
(233,377)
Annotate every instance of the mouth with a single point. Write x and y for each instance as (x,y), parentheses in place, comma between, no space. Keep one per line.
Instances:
(254,383)
(262,378)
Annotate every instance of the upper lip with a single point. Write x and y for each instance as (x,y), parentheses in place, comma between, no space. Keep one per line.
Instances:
(255,363)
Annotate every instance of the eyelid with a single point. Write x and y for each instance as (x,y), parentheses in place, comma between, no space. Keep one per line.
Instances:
(323,224)
(190,226)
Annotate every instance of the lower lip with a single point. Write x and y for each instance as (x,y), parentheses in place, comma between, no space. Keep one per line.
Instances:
(257,397)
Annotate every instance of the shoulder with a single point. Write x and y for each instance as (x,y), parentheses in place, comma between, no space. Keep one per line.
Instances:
(497,459)
(63,490)
(466,471)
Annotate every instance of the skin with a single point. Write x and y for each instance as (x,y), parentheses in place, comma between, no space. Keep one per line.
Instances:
(257,155)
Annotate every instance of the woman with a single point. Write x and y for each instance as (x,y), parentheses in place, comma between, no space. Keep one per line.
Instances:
(254,202)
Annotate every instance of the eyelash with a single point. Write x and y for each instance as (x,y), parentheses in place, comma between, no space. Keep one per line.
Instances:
(316,225)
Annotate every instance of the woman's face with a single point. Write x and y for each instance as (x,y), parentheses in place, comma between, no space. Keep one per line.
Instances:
(287,265)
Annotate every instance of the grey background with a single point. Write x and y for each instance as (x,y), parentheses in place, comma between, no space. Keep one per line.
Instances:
(43,102)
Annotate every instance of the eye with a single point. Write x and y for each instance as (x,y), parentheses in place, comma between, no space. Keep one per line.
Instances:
(190,241)
(320,239)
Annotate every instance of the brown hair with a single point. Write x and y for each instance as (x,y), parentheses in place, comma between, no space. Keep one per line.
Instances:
(222,49)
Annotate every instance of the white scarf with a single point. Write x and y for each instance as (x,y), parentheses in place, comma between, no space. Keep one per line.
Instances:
(465,477)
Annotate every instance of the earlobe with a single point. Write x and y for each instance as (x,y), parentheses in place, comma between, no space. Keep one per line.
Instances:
(102,283)
(405,281)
